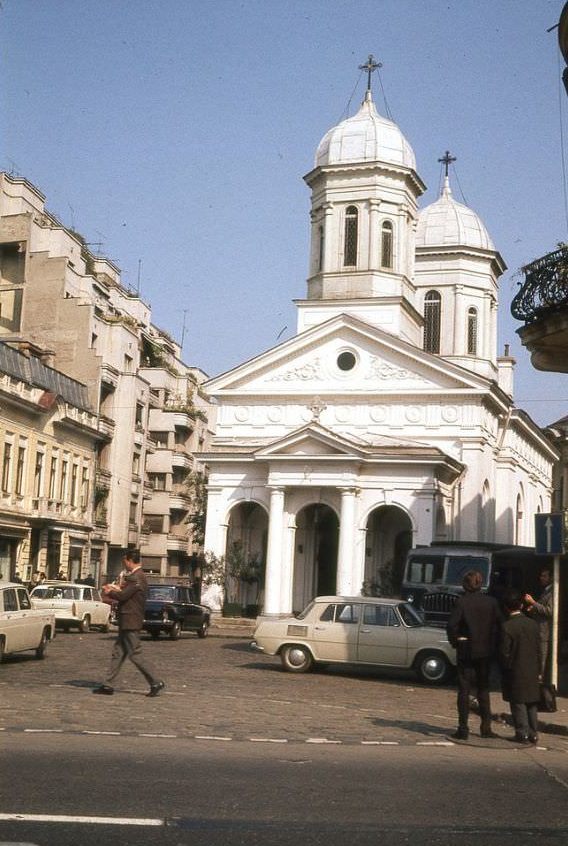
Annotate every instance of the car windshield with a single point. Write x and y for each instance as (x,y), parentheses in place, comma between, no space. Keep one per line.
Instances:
(410,617)
(163,592)
(61,593)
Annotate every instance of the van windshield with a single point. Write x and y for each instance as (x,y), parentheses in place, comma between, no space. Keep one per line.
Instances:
(458,566)
(428,569)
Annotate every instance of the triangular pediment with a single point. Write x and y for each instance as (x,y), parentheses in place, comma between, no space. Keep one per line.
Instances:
(345,356)
(313,440)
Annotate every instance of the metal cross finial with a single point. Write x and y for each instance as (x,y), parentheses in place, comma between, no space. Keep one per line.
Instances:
(370,67)
(447,160)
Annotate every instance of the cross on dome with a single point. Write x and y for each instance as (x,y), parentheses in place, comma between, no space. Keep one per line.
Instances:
(370,67)
(447,159)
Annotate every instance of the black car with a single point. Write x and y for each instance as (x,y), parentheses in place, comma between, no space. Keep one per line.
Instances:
(171,609)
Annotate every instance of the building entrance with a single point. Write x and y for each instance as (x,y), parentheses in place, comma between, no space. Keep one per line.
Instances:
(315,554)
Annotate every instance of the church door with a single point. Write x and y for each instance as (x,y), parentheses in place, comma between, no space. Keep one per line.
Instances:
(315,557)
(389,537)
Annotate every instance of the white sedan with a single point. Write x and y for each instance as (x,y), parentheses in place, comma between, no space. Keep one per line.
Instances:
(21,626)
(357,630)
(74,605)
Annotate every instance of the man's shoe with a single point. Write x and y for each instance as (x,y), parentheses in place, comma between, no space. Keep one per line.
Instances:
(156,688)
(522,739)
(460,734)
(488,733)
(533,738)
(104,689)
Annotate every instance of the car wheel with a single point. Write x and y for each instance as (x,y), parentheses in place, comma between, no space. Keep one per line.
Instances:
(432,667)
(203,630)
(41,650)
(106,628)
(296,658)
(175,631)
(85,624)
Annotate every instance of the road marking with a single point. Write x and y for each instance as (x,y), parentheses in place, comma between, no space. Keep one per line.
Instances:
(113,733)
(63,818)
(380,743)
(211,737)
(267,740)
(151,735)
(434,743)
(322,740)
(44,731)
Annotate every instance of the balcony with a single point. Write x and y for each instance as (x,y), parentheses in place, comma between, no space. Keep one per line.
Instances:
(109,376)
(542,305)
(106,426)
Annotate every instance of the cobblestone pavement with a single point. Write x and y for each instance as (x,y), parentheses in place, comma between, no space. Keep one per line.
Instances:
(218,688)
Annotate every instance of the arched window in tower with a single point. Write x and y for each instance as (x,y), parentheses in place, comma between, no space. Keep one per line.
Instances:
(351,232)
(519,518)
(432,319)
(321,246)
(386,244)
(472,331)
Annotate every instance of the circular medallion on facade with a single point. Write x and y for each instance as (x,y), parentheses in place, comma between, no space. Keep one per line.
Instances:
(378,413)
(242,414)
(275,414)
(449,413)
(413,414)
(342,414)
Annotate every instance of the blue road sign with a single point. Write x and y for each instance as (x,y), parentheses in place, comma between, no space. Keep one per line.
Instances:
(549,534)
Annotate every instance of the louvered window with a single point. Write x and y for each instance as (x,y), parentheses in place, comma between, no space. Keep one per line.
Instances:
(472,331)
(351,232)
(432,319)
(386,244)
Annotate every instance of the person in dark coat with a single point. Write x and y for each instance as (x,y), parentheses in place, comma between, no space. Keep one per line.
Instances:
(541,611)
(473,630)
(130,595)
(520,658)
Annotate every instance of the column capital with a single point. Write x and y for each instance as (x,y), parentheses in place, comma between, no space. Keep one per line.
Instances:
(353,490)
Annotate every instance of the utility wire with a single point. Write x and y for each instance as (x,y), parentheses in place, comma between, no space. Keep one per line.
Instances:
(562,156)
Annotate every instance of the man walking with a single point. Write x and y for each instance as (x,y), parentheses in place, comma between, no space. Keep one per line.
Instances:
(520,658)
(473,630)
(131,597)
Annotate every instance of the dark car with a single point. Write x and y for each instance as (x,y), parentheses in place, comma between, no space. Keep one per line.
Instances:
(171,609)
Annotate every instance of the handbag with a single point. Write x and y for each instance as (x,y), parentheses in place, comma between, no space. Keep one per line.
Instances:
(547,702)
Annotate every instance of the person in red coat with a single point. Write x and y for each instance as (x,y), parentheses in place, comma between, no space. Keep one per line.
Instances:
(520,657)
(130,594)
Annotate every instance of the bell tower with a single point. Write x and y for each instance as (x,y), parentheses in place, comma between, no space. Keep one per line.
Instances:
(364,193)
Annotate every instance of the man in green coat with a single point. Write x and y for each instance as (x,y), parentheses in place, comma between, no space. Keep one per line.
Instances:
(520,658)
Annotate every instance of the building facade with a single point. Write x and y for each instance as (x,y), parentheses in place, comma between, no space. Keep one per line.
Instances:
(72,308)
(388,420)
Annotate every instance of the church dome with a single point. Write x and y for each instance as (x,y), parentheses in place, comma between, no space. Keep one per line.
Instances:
(365,137)
(448,223)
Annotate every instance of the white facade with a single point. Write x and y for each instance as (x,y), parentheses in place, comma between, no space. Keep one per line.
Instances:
(388,420)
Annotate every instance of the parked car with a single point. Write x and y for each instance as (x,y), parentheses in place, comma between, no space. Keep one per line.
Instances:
(21,626)
(171,609)
(74,605)
(357,630)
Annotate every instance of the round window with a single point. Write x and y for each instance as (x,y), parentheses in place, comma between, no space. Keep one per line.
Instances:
(346,361)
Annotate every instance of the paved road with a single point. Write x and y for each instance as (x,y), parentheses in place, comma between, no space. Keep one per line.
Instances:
(218,688)
(238,752)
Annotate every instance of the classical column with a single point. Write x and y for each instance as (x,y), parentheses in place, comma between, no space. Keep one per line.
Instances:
(328,241)
(374,235)
(346,550)
(274,554)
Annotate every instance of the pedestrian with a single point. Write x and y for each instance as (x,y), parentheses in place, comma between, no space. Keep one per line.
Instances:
(473,630)
(130,596)
(17,578)
(520,659)
(541,611)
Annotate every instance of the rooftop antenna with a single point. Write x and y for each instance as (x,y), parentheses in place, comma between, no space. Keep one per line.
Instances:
(138,277)
(183,329)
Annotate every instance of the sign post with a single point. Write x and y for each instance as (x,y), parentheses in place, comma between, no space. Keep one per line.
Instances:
(549,540)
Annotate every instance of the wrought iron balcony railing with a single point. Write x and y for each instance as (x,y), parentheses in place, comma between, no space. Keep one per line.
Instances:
(545,287)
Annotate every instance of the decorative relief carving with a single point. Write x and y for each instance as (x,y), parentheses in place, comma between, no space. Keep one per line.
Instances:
(378,413)
(413,414)
(305,373)
(342,414)
(242,414)
(275,414)
(449,413)
(380,369)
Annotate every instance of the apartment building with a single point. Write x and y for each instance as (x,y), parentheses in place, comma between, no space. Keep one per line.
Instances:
(69,305)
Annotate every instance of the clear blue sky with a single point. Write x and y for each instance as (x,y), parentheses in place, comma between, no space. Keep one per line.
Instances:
(177,132)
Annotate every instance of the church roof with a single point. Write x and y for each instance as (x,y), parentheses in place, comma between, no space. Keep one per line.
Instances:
(448,223)
(365,137)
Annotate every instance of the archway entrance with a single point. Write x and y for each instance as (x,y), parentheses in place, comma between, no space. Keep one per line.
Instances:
(389,537)
(245,555)
(315,554)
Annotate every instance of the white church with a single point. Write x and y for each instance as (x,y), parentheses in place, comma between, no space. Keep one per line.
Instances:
(388,420)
